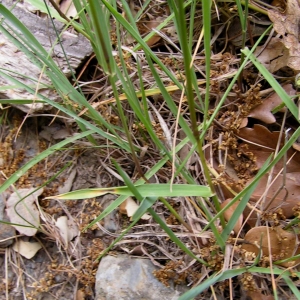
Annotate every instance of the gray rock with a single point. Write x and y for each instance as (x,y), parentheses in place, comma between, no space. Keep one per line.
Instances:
(127,278)
(6,231)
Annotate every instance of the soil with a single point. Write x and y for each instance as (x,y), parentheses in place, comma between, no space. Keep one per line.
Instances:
(55,272)
(237,145)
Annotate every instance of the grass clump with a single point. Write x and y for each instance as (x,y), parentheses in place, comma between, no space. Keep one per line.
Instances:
(167,121)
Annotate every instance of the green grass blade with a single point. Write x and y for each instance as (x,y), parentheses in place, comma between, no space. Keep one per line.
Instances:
(19,101)
(145,204)
(102,45)
(291,284)
(146,190)
(206,8)
(191,294)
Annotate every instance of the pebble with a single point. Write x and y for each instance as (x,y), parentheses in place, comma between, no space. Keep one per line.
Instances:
(127,278)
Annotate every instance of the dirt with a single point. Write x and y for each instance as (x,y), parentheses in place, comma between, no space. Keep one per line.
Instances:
(55,272)
(243,135)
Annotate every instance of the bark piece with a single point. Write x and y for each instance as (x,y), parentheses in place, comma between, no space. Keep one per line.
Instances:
(76,47)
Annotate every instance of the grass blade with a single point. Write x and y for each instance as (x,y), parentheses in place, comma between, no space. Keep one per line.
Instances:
(145,190)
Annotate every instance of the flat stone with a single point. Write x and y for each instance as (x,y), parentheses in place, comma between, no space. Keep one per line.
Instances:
(124,278)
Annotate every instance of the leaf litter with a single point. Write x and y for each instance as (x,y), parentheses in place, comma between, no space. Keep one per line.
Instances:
(235,153)
(22,211)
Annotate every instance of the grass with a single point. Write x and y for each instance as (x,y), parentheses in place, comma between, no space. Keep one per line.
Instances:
(119,65)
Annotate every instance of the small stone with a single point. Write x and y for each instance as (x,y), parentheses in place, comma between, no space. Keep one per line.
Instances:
(124,277)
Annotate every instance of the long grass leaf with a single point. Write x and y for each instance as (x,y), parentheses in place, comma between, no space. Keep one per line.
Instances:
(191,294)
(146,190)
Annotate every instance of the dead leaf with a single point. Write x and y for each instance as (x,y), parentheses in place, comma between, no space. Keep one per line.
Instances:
(67,229)
(263,111)
(67,7)
(129,207)
(255,295)
(230,211)
(27,249)
(285,199)
(146,27)
(235,31)
(283,244)
(287,25)
(26,208)
(261,143)
(274,56)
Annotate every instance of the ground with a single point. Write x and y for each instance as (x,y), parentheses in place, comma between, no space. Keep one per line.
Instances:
(248,127)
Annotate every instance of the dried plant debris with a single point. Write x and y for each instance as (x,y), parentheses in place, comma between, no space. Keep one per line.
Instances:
(27,249)
(67,229)
(263,112)
(22,210)
(234,152)
(286,24)
(276,243)
(273,56)
(129,207)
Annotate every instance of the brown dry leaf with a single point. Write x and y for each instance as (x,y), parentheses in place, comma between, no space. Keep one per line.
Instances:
(146,27)
(287,25)
(235,31)
(263,111)
(26,208)
(261,142)
(274,56)
(283,244)
(229,212)
(27,249)
(261,136)
(255,295)
(129,207)
(285,199)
